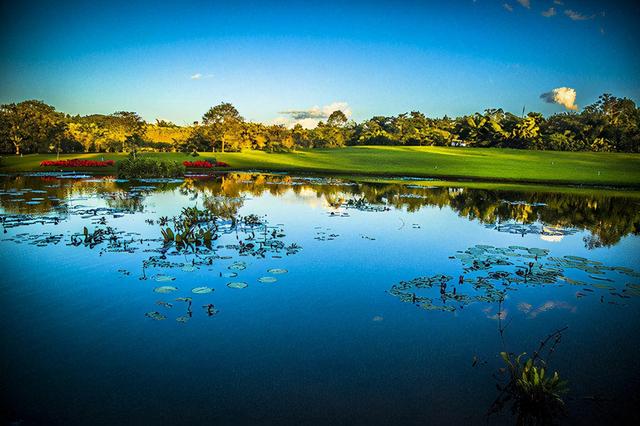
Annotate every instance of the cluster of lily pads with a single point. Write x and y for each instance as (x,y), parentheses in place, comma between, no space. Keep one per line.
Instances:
(186,241)
(362,205)
(62,209)
(513,227)
(254,237)
(28,196)
(488,273)
(209,308)
(324,234)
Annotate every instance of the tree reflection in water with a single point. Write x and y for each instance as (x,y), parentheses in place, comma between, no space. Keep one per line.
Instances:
(607,216)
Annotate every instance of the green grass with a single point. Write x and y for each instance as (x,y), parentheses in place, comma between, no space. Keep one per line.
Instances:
(491,164)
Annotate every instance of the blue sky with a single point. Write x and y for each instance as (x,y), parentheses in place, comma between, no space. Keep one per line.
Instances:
(174,61)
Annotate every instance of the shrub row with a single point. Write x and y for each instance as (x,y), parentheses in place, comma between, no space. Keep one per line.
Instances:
(132,168)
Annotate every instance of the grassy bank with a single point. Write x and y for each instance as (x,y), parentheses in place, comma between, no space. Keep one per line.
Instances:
(499,165)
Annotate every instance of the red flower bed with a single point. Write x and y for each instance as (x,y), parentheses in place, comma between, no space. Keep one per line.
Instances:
(76,163)
(204,164)
(198,164)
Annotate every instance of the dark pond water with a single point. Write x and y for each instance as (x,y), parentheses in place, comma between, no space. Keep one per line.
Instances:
(317,301)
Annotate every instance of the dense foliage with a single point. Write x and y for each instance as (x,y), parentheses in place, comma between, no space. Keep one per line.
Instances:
(132,168)
(610,124)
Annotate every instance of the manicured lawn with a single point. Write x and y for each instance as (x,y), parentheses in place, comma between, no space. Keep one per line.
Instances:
(590,168)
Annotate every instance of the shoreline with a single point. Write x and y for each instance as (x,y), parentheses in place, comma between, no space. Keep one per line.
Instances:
(467,166)
(425,182)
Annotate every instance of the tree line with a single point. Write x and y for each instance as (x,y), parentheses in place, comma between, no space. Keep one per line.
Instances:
(609,124)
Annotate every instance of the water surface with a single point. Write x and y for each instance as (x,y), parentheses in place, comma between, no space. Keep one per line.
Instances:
(345,317)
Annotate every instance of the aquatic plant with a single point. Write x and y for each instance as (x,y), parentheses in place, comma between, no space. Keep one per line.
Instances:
(363,205)
(155,315)
(237,284)
(251,220)
(165,289)
(94,238)
(192,231)
(489,272)
(201,290)
(188,237)
(534,394)
(513,227)
(193,227)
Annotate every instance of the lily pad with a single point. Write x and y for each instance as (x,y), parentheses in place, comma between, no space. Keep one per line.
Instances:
(183,318)
(237,266)
(576,258)
(165,289)
(155,315)
(188,268)
(237,284)
(202,290)
(538,251)
(277,271)
(603,286)
(267,279)
(230,274)
(163,278)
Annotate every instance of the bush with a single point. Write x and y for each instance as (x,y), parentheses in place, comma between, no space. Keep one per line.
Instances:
(149,168)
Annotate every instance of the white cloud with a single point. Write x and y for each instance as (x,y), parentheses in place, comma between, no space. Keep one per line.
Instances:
(199,76)
(549,13)
(508,7)
(576,16)
(309,118)
(525,3)
(564,96)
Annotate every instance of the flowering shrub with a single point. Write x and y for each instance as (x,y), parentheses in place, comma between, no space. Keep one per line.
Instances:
(76,163)
(204,164)
(198,164)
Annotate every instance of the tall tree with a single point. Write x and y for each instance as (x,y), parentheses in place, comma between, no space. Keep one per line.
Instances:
(224,123)
(301,136)
(128,124)
(337,119)
(31,126)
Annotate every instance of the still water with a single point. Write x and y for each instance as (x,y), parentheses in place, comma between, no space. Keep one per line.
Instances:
(318,300)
